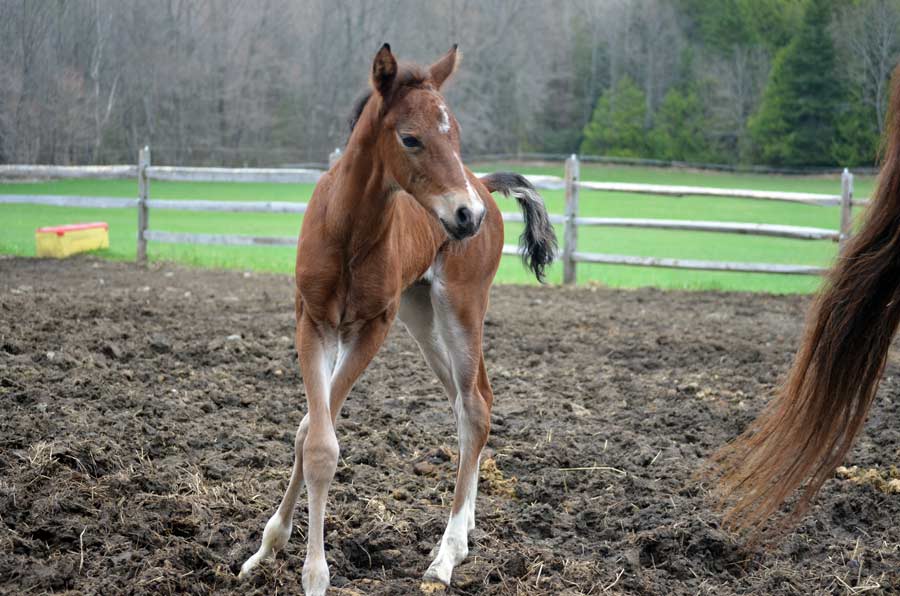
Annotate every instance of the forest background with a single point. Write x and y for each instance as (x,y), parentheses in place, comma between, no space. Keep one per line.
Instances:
(784,83)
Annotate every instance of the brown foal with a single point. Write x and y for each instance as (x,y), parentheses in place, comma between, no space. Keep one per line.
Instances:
(398,228)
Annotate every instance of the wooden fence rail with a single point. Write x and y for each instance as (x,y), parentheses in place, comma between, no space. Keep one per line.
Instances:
(229,206)
(723,227)
(571,255)
(71,201)
(705,191)
(144,171)
(13,172)
(590,257)
(277,175)
(227,239)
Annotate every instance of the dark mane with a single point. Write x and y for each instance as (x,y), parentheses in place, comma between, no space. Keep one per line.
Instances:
(358,106)
(410,76)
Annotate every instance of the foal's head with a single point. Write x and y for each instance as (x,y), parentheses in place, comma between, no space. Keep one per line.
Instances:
(416,139)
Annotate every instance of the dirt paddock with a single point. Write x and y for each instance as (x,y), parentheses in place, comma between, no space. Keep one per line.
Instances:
(148,422)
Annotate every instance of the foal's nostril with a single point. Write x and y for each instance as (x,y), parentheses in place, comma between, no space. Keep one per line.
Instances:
(464,216)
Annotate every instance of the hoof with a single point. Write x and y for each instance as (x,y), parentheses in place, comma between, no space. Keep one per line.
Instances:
(316,578)
(429,586)
(249,565)
(438,573)
(275,538)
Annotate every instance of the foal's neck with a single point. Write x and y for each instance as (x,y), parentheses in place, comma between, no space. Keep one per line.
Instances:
(362,195)
(363,191)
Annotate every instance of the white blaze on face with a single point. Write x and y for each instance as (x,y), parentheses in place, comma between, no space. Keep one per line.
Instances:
(444,125)
(477,206)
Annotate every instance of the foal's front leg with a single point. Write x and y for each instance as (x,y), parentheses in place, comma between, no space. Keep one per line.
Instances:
(330,366)
(320,450)
(317,349)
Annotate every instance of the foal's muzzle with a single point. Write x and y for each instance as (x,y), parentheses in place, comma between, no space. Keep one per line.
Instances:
(464,224)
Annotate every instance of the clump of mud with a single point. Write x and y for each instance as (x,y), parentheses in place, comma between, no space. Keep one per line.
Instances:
(886,481)
(493,482)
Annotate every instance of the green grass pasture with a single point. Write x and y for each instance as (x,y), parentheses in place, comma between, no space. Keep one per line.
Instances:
(20,220)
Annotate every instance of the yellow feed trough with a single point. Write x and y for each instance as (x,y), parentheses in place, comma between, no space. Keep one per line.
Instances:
(62,241)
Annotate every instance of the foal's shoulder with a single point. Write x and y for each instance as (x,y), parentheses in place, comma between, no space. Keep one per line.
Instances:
(324,187)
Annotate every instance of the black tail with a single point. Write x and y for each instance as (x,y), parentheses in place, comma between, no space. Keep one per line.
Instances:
(538,241)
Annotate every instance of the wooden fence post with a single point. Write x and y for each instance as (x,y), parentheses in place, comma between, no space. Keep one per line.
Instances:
(570,235)
(846,209)
(143,195)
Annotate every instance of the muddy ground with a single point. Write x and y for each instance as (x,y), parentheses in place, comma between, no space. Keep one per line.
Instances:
(148,417)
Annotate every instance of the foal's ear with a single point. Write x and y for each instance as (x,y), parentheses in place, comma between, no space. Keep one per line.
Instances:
(384,70)
(441,70)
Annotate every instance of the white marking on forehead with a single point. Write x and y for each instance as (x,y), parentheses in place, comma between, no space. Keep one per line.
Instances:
(444,126)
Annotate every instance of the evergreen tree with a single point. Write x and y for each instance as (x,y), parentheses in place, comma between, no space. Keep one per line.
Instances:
(856,142)
(721,25)
(679,132)
(617,125)
(796,122)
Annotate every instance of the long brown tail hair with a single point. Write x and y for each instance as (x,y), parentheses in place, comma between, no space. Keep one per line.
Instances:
(810,425)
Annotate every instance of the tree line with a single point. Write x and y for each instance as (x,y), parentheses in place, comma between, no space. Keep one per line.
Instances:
(264,82)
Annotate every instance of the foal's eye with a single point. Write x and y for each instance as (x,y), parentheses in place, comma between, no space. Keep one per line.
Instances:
(410,142)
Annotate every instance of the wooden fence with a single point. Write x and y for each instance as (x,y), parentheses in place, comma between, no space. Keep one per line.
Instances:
(573,185)
(144,171)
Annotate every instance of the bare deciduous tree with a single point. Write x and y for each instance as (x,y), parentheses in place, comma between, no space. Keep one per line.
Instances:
(869,35)
(272,81)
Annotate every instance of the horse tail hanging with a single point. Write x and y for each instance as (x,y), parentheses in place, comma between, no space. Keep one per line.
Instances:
(538,240)
(810,425)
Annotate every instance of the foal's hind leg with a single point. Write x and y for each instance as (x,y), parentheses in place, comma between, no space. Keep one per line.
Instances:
(472,409)
(457,346)
(418,316)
